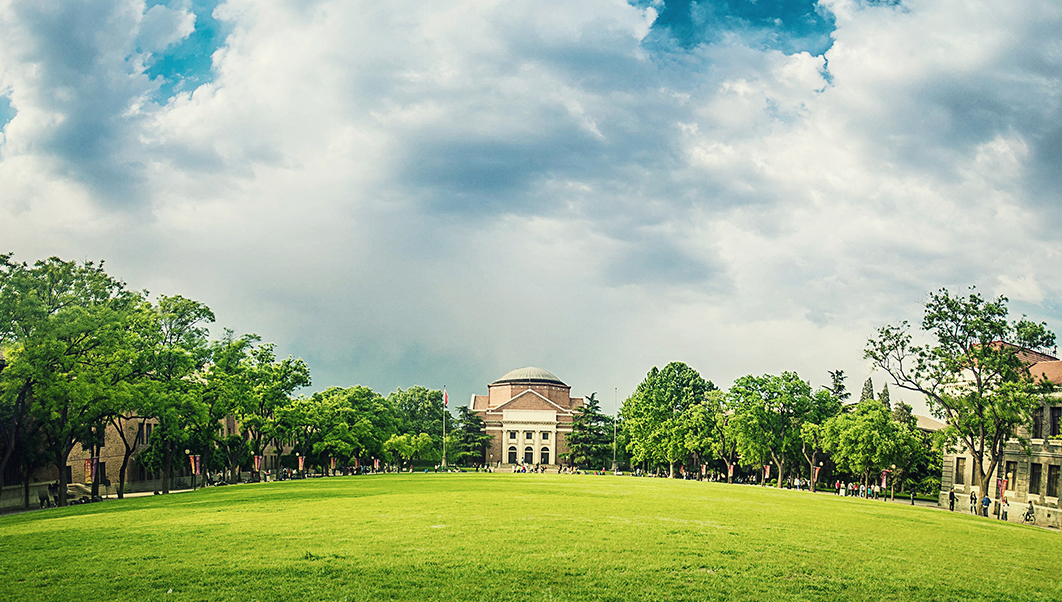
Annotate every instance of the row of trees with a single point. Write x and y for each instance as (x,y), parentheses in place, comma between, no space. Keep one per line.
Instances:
(675,417)
(974,373)
(81,353)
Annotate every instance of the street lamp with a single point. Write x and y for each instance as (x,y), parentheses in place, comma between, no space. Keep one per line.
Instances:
(191,460)
(892,485)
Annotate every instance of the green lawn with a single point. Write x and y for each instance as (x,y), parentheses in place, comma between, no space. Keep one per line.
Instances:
(518,537)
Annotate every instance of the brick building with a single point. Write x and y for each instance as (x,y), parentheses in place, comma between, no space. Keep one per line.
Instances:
(1032,476)
(528,413)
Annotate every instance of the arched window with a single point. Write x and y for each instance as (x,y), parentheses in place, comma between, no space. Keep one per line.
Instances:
(544,457)
(512,454)
(529,455)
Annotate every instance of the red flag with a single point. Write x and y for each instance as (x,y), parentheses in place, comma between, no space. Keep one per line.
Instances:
(302,462)
(446,398)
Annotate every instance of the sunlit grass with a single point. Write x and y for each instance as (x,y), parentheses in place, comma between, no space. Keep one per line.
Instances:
(518,537)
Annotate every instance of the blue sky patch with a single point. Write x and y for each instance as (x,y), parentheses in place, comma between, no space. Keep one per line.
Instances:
(7,112)
(788,25)
(187,64)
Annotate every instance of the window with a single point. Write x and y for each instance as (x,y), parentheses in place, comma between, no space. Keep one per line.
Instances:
(512,453)
(1010,474)
(1056,416)
(529,455)
(1052,480)
(529,435)
(140,433)
(1035,471)
(960,471)
(544,456)
(545,437)
(149,427)
(1038,424)
(512,435)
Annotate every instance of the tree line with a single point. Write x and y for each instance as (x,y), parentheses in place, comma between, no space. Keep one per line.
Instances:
(81,353)
(973,370)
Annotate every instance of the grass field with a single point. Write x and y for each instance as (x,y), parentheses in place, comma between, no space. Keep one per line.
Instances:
(518,537)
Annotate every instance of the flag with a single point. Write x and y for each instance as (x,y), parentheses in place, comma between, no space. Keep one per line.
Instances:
(302,462)
(258,463)
(198,467)
(766,471)
(332,463)
(88,470)
(446,398)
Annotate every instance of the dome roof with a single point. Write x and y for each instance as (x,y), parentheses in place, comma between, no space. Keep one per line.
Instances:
(529,374)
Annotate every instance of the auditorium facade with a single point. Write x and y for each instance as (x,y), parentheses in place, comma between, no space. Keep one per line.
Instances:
(528,413)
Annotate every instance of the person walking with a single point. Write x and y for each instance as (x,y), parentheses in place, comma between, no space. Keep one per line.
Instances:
(951,501)
(1005,507)
(985,503)
(973,503)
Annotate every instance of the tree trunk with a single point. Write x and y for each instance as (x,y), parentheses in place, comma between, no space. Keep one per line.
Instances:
(96,471)
(121,473)
(25,488)
(671,474)
(167,465)
(60,464)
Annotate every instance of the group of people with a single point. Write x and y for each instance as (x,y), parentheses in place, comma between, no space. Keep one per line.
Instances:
(850,489)
(981,507)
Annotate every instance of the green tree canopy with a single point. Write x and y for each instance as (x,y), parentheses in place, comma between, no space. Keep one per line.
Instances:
(972,372)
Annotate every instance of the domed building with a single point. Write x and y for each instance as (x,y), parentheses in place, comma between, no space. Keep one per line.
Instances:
(528,413)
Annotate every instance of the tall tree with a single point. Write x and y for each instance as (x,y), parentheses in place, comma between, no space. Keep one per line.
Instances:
(768,414)
(974,374)
(63,322)
(868,390)
(590,442)
(824,406)
(470,438)
(653,414)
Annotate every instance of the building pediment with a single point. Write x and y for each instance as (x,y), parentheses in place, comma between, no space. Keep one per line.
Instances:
(529,400)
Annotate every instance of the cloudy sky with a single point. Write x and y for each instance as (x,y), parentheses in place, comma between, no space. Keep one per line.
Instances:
(435,193)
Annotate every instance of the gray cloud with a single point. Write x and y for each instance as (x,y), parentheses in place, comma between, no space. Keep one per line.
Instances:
(411,193)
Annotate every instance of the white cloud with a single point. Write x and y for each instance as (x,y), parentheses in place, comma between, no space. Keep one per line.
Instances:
(436,193)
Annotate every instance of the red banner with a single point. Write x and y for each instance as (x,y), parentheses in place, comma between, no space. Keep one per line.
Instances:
(257,463)
(332,463)
(302,462)
(191,464)
(817,469)
(376,463)
(766,471)
(89,472)
(730,470)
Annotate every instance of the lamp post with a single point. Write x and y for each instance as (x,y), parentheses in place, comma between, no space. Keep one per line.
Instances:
(892,485)
(191,460)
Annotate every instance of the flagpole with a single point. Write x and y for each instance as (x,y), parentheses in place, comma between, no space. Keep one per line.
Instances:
(445,400)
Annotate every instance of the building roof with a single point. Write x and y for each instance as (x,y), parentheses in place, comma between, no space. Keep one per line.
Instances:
(928,424)
(1052,371)
(529,374)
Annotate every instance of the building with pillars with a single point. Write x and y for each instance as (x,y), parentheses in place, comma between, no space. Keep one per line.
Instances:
(528,413)
(1027,472)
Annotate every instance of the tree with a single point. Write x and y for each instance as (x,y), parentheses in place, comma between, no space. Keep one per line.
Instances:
(824,406)
(63,322)
(590,442)
(768,413)
(973,374)
(653,415)
(868,390)
(867,440)
(884,397)
(470,439)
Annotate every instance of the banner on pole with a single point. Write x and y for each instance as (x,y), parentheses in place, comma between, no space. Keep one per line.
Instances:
(766,471)
(257,463)
(446,398)
(884,475)
(376,463)
(817,469)
(730,470)
(302,462)
(88,470)
(191,463)
(332,463)
(198,465)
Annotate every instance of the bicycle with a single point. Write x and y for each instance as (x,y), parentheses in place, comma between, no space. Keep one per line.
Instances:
(1029,517)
